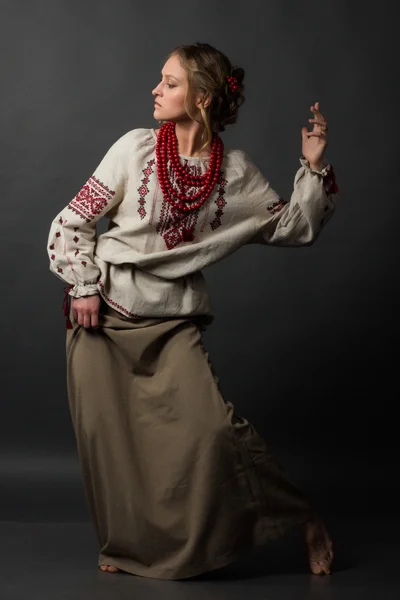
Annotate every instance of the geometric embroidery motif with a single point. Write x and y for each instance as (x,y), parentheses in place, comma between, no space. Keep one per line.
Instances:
(143,189)
(174,225)
(91,199)
(276,206)
(220,202)
(182,228)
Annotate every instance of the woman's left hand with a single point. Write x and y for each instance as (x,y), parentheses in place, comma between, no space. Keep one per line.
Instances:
(315,141)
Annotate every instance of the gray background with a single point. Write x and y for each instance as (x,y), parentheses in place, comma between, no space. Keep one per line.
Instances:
(305,339)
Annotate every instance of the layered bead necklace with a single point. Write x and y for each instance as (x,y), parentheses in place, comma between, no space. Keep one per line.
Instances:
(167,148)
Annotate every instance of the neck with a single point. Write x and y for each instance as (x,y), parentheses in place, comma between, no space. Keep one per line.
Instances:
(189,135)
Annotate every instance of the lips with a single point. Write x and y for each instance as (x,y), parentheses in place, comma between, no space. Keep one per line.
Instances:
(156,103)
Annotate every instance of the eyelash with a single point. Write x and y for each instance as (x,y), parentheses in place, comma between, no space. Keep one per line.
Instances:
(170,85)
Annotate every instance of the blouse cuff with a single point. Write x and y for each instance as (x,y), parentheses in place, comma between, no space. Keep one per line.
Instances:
(327,174)
(79,291)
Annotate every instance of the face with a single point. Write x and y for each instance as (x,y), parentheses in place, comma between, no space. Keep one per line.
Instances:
(170,92)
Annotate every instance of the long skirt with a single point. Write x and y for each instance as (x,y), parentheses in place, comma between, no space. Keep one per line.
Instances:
(177,483)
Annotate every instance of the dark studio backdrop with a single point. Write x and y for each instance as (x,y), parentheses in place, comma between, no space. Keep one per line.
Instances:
(305,339)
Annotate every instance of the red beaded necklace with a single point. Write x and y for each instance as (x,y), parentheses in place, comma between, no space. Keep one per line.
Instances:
(167,148)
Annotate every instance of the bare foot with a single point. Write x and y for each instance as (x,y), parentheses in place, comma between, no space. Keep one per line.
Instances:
(319,546)
(109,568)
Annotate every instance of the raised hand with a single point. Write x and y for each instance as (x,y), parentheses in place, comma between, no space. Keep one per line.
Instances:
(315,141)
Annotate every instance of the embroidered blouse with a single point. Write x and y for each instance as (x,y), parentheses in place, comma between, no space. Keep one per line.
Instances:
(149,261)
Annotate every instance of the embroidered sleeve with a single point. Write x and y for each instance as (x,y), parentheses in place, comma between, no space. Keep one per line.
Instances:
(72,235)
(296,222)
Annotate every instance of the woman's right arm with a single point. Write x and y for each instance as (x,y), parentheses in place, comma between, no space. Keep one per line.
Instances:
(72,235)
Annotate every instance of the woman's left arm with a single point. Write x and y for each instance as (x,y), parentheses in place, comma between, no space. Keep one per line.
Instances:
(299,221)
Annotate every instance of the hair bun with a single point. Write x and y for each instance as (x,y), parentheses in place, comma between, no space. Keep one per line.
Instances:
(238,72)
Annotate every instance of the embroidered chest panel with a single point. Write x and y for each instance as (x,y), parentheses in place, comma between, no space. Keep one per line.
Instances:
(173,225)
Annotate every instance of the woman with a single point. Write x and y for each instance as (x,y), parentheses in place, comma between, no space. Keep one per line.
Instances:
(177,483)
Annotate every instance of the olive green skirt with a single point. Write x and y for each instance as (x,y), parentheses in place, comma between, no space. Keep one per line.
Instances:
(176,482)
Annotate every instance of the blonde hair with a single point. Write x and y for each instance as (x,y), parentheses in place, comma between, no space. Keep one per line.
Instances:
(207,69)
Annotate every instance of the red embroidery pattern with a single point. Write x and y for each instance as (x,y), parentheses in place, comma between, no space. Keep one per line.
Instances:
(115,304)
(276,206)
(91,200)
(329,180)
(220,202)
(176,226)
(143,189)
(182,228)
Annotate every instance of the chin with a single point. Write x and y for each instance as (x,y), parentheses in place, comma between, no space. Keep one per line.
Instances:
(163,115)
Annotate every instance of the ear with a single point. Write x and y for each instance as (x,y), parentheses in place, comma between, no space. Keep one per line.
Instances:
(207,101)
(201,100)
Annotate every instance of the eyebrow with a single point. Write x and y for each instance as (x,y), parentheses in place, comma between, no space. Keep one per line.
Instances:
(171,76)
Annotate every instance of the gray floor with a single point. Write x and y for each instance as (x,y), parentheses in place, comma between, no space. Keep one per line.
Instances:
(53,561)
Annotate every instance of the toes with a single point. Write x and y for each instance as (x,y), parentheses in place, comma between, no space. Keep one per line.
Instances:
(319,568)
(321,563)
(316,568)
(109,568)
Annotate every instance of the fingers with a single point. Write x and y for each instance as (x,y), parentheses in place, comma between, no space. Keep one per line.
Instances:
(317,113)
(86,311)
(95,320)
(320,127)
(87,319)
(315,109)
(320,134)
(319,122)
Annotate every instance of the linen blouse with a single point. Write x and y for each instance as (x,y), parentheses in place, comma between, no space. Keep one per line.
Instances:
(149,261)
